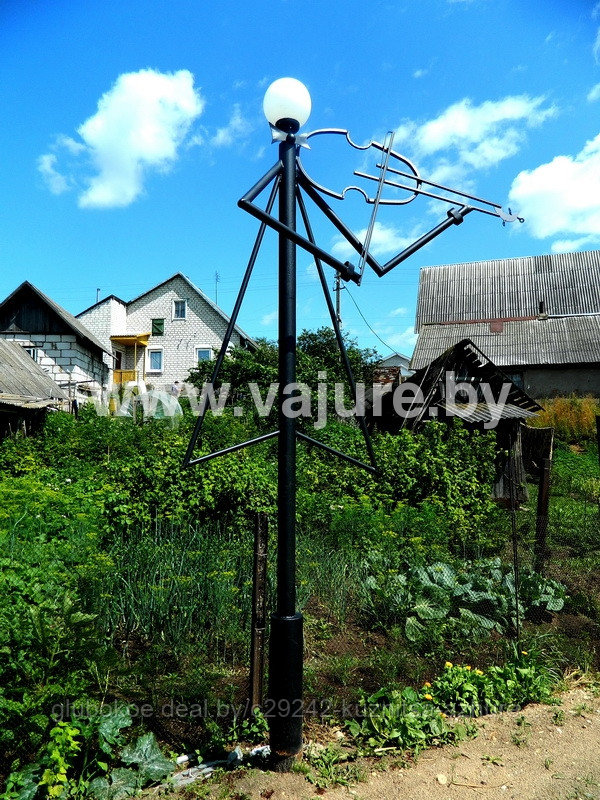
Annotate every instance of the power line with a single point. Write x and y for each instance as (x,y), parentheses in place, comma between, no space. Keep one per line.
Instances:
(367,324)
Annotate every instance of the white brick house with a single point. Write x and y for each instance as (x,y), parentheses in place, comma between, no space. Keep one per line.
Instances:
(158,337)
(69,353)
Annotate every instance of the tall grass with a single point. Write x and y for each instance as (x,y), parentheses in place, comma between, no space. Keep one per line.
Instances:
(573,418)
(181,586)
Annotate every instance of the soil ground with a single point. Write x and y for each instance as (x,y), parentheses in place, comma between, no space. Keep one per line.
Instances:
(539,753)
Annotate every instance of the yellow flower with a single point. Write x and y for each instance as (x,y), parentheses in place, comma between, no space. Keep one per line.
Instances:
(478,672)
(524,652)
(442,715)
(448,665)
(426,685)
(467,666)
(428,697)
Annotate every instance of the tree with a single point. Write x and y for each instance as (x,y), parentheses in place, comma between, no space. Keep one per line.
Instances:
(317,353)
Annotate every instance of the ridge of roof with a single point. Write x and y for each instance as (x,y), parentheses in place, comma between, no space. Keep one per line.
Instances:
(99,303)
(68,318)
(553,257)
(199,292)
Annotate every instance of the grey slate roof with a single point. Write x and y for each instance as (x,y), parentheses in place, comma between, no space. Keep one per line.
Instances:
(569,283)
(22,381)
(563,340)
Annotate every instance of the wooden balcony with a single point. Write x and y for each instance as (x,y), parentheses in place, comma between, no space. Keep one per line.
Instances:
(121,376)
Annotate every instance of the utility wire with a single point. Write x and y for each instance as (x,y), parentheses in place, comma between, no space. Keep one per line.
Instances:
(367,324)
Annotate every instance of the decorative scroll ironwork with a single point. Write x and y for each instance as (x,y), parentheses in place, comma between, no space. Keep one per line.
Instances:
(348,272)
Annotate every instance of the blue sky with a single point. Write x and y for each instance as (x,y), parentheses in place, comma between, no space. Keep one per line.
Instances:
(130,129)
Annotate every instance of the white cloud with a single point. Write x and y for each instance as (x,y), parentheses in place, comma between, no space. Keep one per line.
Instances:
(594,93)
(568,245)
(234,130)
(69,144)
(401,341)
(270,318)
(596,48)
(56,182)
(466,137)
(139,126)
(463,125)
(398,312)
(385,240)
(420,73)
(312,272)
(140,123)
(562,197)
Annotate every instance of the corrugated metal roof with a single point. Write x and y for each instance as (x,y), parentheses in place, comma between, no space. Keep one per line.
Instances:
(22,379)
(564,340)
(569,283)
(481,412)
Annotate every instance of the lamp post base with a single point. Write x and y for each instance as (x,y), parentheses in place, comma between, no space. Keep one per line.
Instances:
(284,703)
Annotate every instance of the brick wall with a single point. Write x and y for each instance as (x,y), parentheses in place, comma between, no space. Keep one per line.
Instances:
(105,319)
(203,327)
(67,361)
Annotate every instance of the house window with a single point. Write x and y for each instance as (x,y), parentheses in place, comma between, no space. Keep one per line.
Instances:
(155,360)
(32,351)
(158,327)
(203,354)
(179,309)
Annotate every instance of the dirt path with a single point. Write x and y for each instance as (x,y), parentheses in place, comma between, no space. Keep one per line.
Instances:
(540,753)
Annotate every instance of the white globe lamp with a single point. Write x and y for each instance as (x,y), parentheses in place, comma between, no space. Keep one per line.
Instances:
(287,104)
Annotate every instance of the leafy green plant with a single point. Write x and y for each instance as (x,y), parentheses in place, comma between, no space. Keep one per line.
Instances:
(478,596)
(403,720)
(254,728)
(76,752)
(63,747)
(330,767)
(460,689)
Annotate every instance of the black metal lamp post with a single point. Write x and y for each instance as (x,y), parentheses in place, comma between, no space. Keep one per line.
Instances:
(287,106)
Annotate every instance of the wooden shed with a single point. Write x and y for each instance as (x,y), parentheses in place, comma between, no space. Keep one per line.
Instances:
(26,391)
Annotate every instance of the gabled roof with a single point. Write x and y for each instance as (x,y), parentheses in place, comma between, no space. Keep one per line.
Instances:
(22,381)
(201,294)
(70,321)
(551,341)
(509,289)
(101,302)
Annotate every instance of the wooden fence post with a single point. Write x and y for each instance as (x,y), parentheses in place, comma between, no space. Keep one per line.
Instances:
(259,609)
(541,523)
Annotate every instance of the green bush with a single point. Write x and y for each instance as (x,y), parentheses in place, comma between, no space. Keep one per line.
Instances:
(403,720)
(103,533)
(463,690)
(49,642)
